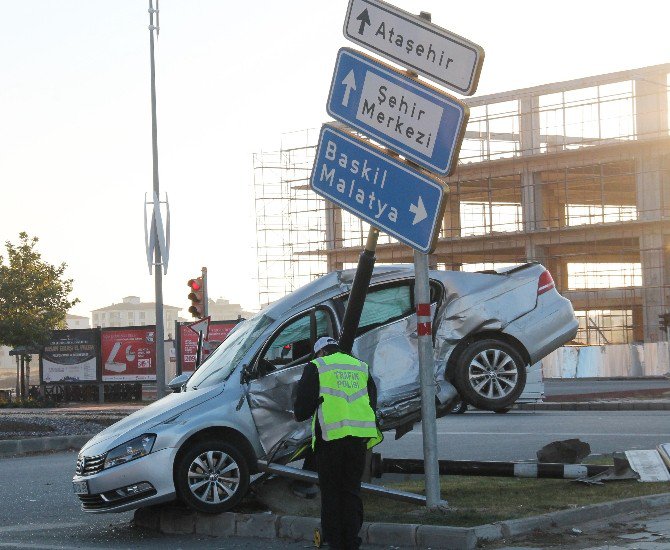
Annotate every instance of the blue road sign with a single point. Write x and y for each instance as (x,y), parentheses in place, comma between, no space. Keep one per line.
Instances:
(384,191)
(415,120)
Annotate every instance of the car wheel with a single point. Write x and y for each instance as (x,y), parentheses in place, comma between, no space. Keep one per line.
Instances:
(490,375)
(459,407)
(212,476)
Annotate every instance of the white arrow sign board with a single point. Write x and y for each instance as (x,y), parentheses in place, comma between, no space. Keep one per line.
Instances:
(414,43)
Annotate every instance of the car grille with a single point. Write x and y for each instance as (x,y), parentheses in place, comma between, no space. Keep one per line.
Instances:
(89,465)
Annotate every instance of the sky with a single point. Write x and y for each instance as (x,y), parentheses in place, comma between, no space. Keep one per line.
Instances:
(75,118)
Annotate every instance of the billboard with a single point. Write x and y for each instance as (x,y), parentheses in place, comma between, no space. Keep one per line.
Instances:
(187,341)
(70,356)
(128,354)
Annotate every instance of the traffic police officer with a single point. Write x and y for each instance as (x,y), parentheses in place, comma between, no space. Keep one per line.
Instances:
(337,391)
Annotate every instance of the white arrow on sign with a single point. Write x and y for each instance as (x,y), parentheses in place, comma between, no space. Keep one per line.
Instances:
(350,82)
(419,211)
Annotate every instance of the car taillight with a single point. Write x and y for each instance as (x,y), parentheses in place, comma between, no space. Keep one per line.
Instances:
(545,283)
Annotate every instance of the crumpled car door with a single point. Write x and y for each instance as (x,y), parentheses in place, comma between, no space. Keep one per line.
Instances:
(277,371)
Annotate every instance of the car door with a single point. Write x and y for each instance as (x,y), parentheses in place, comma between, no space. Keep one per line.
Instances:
(276,371)
(387,341)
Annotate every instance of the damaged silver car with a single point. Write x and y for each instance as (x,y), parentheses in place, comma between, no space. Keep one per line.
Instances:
(201,445)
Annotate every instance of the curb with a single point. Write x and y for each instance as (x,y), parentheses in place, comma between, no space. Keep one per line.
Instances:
(172,520)
(12,447)
(596,406)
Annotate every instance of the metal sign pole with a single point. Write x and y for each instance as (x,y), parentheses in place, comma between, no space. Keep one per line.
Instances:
(426,373)
(359,288)
(160,332)
(205,294)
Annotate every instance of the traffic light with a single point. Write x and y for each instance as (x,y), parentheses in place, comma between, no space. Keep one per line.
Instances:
(196,296)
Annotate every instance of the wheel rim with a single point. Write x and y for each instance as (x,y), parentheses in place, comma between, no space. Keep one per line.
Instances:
(213,477)
(493,374)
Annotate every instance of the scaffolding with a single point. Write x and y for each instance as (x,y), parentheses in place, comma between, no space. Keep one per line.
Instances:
(575,175)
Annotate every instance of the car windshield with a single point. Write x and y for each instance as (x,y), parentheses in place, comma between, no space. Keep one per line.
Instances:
(226,357)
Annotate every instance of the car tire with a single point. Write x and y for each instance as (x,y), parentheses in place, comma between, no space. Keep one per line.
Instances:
(459,407)
(211,476)
(490,374)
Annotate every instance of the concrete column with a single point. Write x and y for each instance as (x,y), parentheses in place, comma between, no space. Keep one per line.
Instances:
(529,125)
(653,198)
(452,216)
(334,239)
(651,106)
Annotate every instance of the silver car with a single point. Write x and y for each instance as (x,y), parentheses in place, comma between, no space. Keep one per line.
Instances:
(202,444)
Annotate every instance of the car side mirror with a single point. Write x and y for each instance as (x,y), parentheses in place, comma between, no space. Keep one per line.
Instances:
(177,382)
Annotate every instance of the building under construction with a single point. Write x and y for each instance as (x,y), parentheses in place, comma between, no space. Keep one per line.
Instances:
(575,175)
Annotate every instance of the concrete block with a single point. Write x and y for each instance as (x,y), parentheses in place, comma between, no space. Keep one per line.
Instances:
(9,447)
(38,444)
(298,528)
(262,526)
(148,518)
(284,526)
(489,532)
(392,534)
(222,525)
(450,538)
(516,527)
(176,521)
(610,406)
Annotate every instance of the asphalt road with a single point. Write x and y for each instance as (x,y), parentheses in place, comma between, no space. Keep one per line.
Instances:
(39,511)
(517,435)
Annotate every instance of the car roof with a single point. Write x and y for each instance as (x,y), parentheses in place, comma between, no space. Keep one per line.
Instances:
(332,284)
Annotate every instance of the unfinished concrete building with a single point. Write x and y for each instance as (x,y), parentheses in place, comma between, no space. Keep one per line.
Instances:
(574,174)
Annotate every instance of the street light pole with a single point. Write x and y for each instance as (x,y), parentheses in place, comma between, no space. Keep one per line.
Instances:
(158,274)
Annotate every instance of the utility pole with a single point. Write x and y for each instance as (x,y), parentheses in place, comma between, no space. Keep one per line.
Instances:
(158,274)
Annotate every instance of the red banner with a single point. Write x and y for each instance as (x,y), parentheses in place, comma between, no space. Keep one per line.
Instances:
(129,354)
(218,331)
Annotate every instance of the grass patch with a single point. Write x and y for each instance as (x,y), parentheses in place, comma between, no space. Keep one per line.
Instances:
(480,500)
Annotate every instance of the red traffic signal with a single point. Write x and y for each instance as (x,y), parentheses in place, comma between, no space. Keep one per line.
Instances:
(196,296)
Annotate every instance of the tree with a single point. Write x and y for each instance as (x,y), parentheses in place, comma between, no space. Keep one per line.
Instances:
(33,295)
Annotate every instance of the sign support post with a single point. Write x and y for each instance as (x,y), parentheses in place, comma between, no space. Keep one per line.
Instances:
(426,371)
(426,375)
(352,315)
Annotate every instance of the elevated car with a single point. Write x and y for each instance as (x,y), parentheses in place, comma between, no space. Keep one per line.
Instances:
(201,445)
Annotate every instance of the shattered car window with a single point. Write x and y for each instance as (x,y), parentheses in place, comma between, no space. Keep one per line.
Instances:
(384,305)
(226,357)
(293,341)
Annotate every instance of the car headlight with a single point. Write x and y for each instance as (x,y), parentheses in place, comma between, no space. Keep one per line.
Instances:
(135,448)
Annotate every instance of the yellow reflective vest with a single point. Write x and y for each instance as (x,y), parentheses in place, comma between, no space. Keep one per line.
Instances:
(344,408)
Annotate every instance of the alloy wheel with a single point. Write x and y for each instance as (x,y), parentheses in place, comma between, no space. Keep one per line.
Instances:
(493,373)
(214,477)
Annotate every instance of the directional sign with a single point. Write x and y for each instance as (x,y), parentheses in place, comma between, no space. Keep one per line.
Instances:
(385,192)
(415,43)
(415,120)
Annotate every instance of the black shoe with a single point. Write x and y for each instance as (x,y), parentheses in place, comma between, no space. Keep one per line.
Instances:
(304,489)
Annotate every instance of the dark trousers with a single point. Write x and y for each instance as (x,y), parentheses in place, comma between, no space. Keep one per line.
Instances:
(340,465)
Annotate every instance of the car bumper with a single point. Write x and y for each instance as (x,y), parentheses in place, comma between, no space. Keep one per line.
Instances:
(542,333)
(141,482)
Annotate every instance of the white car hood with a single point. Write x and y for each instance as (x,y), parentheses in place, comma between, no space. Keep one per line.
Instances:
(140,421)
